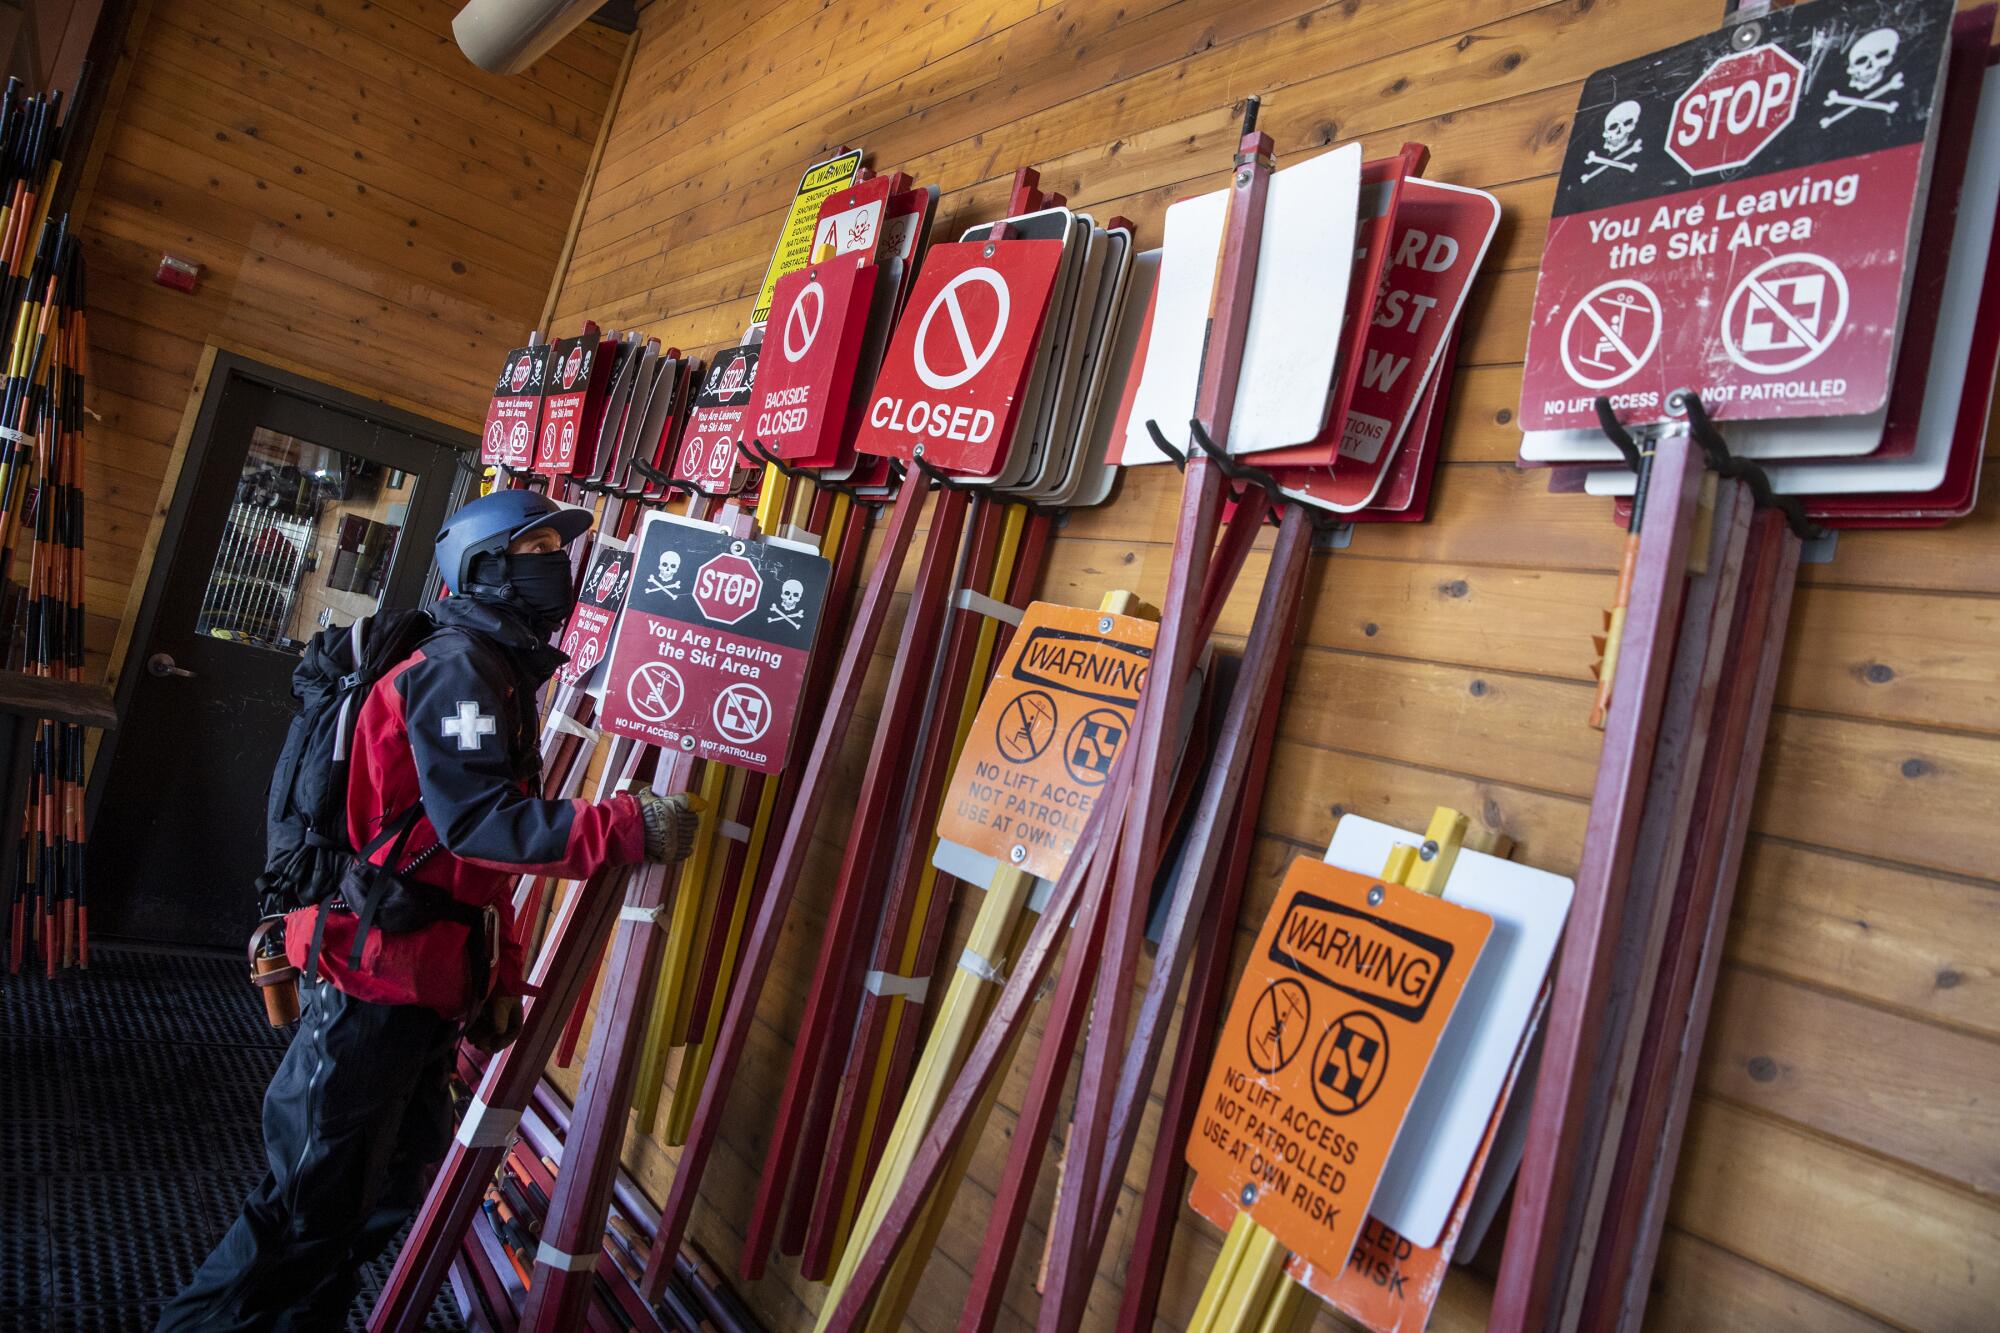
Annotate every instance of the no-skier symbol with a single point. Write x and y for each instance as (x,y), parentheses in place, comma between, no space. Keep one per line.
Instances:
(951,381)
(1736,215)
(1611,333)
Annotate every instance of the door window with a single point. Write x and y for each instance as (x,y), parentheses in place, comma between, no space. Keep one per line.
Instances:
(309,539)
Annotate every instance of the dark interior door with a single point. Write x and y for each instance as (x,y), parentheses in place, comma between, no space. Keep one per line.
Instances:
(292,515)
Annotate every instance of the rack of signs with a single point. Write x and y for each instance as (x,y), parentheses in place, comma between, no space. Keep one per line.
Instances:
(1769,309)
(614,416)
(1014,367)
(985,367)
(997,376)
(1214,366)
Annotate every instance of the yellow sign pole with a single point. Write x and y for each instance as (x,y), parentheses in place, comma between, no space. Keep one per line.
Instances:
(1247,1290)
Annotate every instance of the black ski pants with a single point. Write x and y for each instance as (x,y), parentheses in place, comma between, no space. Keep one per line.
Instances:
(358,1108)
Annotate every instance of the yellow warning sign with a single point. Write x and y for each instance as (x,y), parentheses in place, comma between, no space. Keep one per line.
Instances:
(795,241)
(1327,1039)
(1041,747)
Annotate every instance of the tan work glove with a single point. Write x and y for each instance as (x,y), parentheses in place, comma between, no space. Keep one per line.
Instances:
(671,822)
(496,1025)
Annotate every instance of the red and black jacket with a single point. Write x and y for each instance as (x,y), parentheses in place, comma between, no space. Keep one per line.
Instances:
(455,727)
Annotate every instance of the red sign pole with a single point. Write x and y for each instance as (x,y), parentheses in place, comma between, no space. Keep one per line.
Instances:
(786,868)
(1155,725)
(1207,992)
(488,1127)
(1663,1079)
(1547,1218)
(822,1037)
(1083,1216)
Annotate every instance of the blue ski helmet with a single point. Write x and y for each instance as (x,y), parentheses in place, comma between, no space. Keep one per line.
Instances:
(486,525)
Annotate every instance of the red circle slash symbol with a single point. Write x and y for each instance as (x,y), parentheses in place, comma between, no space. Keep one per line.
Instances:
(654,690)
(1785,313)
(802,321)
(961,353)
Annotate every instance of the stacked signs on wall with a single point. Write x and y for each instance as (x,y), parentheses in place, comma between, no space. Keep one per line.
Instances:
(840,272)
(1000,363)
(515,411)
(712,645)
(1792,218)
(1397,261)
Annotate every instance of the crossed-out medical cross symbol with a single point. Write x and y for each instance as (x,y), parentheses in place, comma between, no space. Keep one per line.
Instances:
(470,725)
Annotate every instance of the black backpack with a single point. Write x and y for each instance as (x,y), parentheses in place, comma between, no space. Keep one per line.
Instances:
(306,850)
(308,859)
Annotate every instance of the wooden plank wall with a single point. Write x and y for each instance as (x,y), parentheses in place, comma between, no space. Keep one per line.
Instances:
(1841,1171)
(369,210)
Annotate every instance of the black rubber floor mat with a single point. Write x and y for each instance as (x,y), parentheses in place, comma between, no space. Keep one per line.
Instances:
(130,1098)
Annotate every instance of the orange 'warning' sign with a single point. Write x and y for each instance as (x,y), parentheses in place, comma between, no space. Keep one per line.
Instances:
(1056,715)
(1328,1036)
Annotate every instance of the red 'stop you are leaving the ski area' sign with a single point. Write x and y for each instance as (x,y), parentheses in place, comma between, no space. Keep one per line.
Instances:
(516,409)
(712,645)
(1735,217)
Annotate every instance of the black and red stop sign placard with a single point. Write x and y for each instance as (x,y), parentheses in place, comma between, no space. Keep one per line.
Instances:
(707,455)
(516,408)
(712,644)
(1735,217)
(952,378)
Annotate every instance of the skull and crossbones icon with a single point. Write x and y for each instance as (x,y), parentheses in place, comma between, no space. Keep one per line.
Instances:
(1868,76)
(1620,147)
(788,607)
(667,577)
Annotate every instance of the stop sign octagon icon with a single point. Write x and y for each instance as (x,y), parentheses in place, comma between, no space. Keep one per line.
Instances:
(727,588)
(1733,111)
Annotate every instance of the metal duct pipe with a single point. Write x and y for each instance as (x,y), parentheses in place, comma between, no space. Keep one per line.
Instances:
(507,36)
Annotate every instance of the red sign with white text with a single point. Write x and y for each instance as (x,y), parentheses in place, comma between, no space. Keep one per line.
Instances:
(516,408)
(708,455)
(1741,223)
(571,405)
(712,646)
(1441,236)
(952,380)
(602,597)
(805,377)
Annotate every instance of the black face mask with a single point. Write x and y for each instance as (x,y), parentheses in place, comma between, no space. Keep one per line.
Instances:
(542,586)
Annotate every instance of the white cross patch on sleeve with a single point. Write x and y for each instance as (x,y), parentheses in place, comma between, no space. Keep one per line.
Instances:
(469,725)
